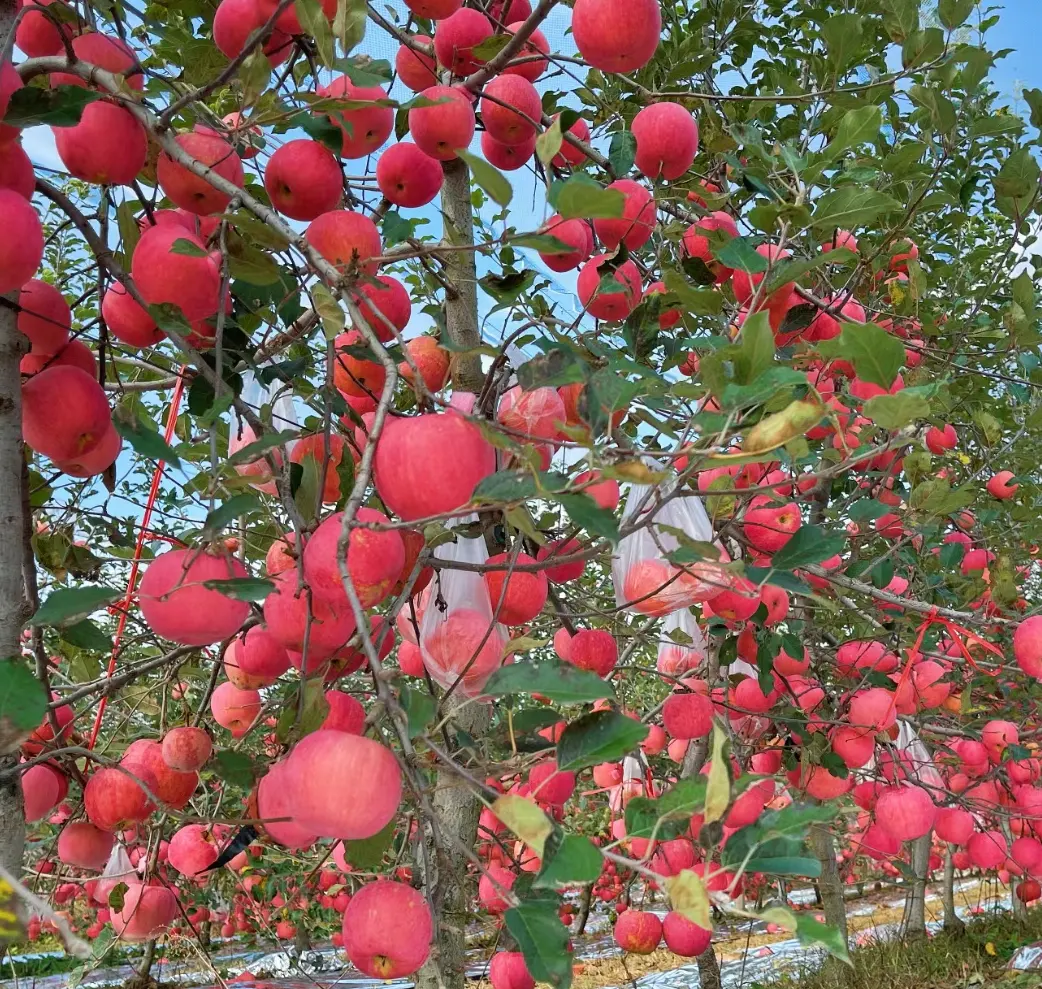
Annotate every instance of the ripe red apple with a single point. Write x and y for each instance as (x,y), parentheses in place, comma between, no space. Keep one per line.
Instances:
(524,63)
(44,317)
(234,708)
(456,37)
(941,439)
(416,70)
(106,52)
(355,375)
(617,35)
(637,222)
(114,800)
(520,595)
(688,715)
(607,302)
(440,129)
(573,233)
(638,932)
(407,176)
(172,787)
(127,321)
(257,659)
(233,23)
(275,800)
(569,153)
(286,612)
(667,140)
(192,849)
(1028,891)
(84,846)
(511,109)
(345,713)
(594,649)
(21,248)
(508,970)
(288,21)
(550,785)
(176,605)
(37,34)
(164,274)
(954,825)
(344,786)
(107,147)
(190,191)
(303,179)
(905,811)
(1027,646)
(387,929)
(64,413)
(41,791)
(999,485)
(147,912)
(696,242)
(431,360)
(369,126)
(435,10)
(770,527)
(561,573)
(462,645)
(346,239)
(186,749)
(16,169)
(507,157)
(407,463)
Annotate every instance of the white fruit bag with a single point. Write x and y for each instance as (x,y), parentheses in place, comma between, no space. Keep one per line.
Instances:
(457,633)
(645,581)
(682,647)
(278,397)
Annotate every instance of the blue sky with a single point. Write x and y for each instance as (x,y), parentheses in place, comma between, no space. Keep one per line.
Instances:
(1020,28)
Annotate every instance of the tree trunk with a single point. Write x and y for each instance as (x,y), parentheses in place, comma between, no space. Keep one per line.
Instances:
(708,970)
(443,865)
(12,590)
(440,861)
(914,922)
(819,838)
(952,921)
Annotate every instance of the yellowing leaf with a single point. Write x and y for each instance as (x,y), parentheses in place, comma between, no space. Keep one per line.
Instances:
(522,644)
(525,819)
(990,949)
(718,790)
(688,896)
(781,916)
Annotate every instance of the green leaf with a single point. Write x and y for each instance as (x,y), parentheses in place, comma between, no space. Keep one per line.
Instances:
(621,152)
(718,787)
(582,197)
(842,35)
(900,18)
(688,896)
(573,859)
(23,701)
(368,853)
(491,46)
(755,351)
(851,206)
(895,411)
(856,127)
(808,544)
(62,106)
(549,142)
(256,449)
(68,605)
(236,768)
(739,253)
(601,736)
(877,356)
(129,231)
(543,243)
(86,635)
(543,941)
(585,512)
(254,74)
(320,128)
(922,47)
(504,486)
(144,440)
(349,24)
(117,897)
(490,178)
(812,932)
(232,509)
(558,366)
(241,588)
(561,682)
(670,814)
(419,708)
(1018,176)
(953,13)
(792,270)
(313,20)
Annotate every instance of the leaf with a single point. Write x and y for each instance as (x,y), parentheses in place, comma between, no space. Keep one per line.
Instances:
(601,736)
(241,588)
(543,243)
(491,46)
(549,142)
(808,544)
(576,859)
(62,106)
(85,634)
(313,21)
(895,411)
(739,253)
(69,604)
(232,509)
(856,127)
(320,128)
(585,512)
(621,152)
(952,13)
(851,206)
(525,818)
(755,351)
(255,450)
(559,681)
(1018,176)
(876,355)
(349,25)
(419,708)
(580,197)
(254,74)
(236,768)
(812,932)
(144,440)
(558,366)
(921,47)
(900,18)
(792,270)
(670,814)
(505,485)
(490,178)
(129,231)
(687,895)
(543,941)
(117,897)
(718,789)
(23,701)
(842,35)
(368,853)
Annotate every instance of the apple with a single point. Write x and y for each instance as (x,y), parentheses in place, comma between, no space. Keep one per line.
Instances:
(364,128)
(667,140)
(64,412)
(107,147)
(408,176)
(21,249)
(440,129)
(387,929)
(303,180)
(191,192)
(186,749)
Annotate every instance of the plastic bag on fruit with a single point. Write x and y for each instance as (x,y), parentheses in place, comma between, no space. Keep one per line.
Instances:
(682,647)
(278,397)
(646,582)
(457,633)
